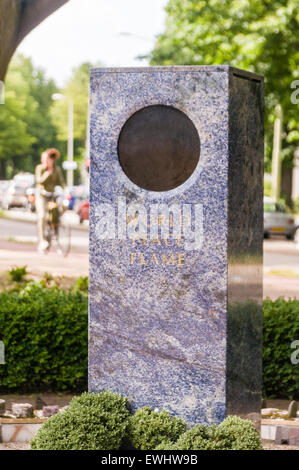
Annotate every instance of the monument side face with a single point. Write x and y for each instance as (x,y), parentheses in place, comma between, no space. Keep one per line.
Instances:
(159,258)
(245,245)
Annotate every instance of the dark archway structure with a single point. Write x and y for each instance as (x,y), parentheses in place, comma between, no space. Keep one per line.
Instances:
(17,19)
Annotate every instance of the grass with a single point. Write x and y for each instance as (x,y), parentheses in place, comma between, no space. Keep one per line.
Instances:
(62,281)
(284,273)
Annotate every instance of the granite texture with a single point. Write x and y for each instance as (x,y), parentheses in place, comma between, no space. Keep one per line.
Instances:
(245,247)
(173,273)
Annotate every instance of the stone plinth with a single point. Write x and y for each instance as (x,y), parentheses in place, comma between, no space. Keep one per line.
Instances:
(176,232)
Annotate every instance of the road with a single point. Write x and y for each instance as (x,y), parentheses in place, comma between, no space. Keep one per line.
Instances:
(25,231)
(279,252)
(281,269)
(18,247)
(18,242)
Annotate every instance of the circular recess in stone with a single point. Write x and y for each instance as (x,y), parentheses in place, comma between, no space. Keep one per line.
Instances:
(158,148)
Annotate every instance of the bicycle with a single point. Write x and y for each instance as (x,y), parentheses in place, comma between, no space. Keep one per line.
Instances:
(56,230)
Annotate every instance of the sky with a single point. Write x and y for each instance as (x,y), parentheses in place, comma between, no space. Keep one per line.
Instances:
(92,31)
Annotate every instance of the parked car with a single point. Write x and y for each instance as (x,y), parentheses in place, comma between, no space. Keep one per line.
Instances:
(3,187)
(73,193)
(83,211)
(81,206)
(296,235)
(31,198)
(15,195)
(277,221)
(24,178)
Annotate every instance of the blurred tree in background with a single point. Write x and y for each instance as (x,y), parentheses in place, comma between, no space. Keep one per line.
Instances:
(25,120)
(30,121)
(261,36)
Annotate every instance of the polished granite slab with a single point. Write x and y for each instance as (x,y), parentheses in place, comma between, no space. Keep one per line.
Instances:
(176,274)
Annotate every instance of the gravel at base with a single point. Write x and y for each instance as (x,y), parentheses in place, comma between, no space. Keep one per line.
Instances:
(270,446)
(15,446)
(26,446)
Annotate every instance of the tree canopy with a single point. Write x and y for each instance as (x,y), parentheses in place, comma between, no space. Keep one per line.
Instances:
(31,121)
(261,36)
(26,125)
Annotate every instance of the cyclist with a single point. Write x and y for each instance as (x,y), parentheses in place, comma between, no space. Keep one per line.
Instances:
(47,176)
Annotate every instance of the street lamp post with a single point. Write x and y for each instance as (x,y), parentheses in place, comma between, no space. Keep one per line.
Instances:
(276,154)
(70,142)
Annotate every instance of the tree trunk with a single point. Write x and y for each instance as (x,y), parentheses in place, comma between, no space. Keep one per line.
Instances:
(17,19)
(286,185)
(2,169)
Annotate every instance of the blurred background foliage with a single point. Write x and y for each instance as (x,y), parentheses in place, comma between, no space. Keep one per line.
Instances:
(26,125)
(31,121)
(261,36)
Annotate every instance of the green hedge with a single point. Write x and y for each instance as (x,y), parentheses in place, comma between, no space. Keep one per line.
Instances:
(148,428)
(281,328)
(44,331)
(91,422)
(233,433)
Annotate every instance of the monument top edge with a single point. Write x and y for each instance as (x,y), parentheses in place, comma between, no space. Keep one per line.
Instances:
(180,68)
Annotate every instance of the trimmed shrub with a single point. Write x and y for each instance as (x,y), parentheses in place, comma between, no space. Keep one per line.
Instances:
(44,331)
(102,422)
(82,284)
(166,445)
(196,438)
(147,428)
(17,274)
(236,434)
(92,422)
(233,433)
(281,328)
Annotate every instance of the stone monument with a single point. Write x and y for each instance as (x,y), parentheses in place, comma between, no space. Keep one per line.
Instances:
(176,234)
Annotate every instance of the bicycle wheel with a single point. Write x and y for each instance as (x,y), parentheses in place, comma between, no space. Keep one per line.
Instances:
(64,239)
(48,236)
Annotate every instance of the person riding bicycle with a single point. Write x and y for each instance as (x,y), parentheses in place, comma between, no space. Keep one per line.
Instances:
(47,176)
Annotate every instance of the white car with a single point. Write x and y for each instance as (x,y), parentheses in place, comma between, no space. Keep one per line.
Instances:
(277,221)
(296,235)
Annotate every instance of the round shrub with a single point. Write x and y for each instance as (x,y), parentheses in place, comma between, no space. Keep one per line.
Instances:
(238,434)
(147,429)
(166,445)
(197,438)
(233,433)
(92,422)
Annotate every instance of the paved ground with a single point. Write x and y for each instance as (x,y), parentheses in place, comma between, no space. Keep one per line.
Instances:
(25,231)
(61,399)
(26,446)
(18,247)
(280,253)
(281,268)
(16,254)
